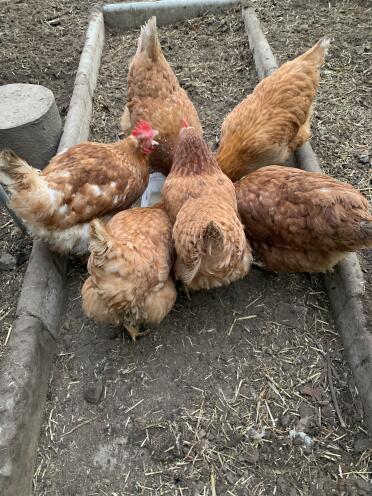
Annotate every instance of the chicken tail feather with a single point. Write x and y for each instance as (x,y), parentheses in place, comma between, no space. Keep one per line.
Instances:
(212,233)
(318,51)
(210,244)
(148,41)
(194,239)
(31,198)
(325,43)
(14,172)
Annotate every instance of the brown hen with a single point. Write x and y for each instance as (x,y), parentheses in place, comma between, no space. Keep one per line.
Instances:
(89,180)
(209,238)
(275,119)
(301,221)
(154,94)
(129,266)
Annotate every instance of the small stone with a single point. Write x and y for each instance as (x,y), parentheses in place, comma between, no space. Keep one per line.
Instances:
(285,420)
(231,478)
(362,445)
(306,410)
(202,433)
(302,424)
(297,441)
(234,439)
(290,315)
(307,450)
(333,139)
(198,488)
(7,261)
(93,394)
(252,456)
(313,392)
(364,159)
(244,492)
(363,485)
(327,412)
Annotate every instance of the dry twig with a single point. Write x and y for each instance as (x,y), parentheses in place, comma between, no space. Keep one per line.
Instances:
(333,392)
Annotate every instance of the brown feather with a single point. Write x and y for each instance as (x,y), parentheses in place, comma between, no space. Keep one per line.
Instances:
(300,221)
(154,94)
(274,120)
(209,237)
(129,266)
(88,180)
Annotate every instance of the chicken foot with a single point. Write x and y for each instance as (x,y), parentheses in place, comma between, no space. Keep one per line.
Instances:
(259,265)
(136,333)
(185,290)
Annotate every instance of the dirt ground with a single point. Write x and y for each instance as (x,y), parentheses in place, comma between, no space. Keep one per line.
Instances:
(208,401)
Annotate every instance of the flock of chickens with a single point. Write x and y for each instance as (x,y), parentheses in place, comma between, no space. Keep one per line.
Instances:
(205,227)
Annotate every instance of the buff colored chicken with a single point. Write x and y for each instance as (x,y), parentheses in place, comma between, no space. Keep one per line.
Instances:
(129,266)
(154,94)
(209,238)
(275,119)
(301,221)
(89,180)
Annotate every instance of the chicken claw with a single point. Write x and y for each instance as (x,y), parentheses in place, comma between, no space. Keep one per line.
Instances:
(135,333)
(184,289)
(258,265)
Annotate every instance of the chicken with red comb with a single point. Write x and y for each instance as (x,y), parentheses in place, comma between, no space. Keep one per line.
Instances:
(89,180)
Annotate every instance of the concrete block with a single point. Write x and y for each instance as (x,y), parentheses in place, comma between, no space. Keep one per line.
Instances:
(30,123)
(125,16)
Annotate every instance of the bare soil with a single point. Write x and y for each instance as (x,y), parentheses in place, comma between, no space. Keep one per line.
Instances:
(206,404)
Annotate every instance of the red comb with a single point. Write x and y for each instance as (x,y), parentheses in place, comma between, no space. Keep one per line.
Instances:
(143,128)
(185,123)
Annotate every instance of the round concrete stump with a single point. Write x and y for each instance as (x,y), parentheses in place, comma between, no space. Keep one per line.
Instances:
(30,123)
